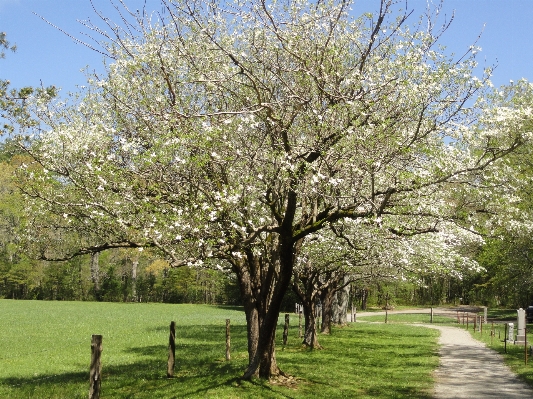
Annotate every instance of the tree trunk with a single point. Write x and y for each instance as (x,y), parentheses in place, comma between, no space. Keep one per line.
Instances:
(335,315)
(95,273)
(261,326)
(310,336)
(364,297)
(263,285)
(343,297)
(305,285)
(134,266)
(326,298)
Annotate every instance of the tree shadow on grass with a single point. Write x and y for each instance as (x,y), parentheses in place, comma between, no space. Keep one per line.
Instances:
(377,362)
(142,379)
(147,379)
(200,371)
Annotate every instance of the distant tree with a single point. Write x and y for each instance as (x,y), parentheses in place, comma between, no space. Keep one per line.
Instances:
(507,255)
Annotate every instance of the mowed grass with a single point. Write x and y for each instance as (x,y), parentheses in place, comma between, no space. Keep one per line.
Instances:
(45,353)
(410,318)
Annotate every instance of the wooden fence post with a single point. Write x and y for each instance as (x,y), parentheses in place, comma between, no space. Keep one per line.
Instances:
(96,367)
(386,308)
(505,338)
(286,329)
(300,324)
(525,345)
(431,317)
(228,340)
(171,350)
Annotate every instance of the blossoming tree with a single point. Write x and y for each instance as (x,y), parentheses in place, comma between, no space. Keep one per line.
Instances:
(227,133)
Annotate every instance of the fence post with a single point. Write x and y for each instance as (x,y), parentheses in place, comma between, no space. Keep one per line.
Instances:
(300,324)
(431,317)
(386,308)
(171,350)
(228,340)
(525,345)
(96,367)
(505,338)
(286,329)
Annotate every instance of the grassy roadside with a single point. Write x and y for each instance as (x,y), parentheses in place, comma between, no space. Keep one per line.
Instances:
(45,353)
(492,335)
(514,355)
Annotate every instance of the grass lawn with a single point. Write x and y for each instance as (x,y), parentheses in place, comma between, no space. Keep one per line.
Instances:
(45,353)
(410,318)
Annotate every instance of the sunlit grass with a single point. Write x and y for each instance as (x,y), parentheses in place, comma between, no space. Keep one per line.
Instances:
(409,318)
(45,353)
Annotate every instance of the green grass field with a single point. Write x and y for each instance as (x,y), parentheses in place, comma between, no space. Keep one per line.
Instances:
(45,353)
(410,318)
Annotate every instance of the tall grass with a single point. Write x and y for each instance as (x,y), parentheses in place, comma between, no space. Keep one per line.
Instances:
(45,353)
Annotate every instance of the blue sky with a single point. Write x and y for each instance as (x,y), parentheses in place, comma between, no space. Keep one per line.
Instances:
(46,55)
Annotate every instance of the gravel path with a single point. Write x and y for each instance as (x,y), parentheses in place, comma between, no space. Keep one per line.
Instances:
(468,369)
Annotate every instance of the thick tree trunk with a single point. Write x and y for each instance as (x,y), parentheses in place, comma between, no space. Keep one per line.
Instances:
(263,286)
(252,328)
(261,328)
